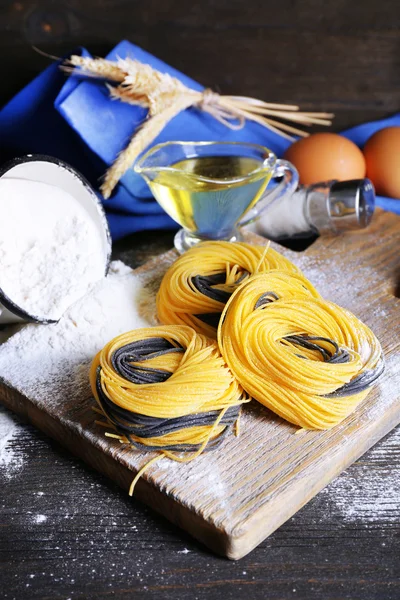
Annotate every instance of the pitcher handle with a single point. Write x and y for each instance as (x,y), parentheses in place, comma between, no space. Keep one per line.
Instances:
(289,183)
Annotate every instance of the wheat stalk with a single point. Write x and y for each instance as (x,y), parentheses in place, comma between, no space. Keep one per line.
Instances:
(148,131)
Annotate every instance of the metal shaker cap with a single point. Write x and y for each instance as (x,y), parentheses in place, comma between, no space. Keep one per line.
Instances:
(351,204)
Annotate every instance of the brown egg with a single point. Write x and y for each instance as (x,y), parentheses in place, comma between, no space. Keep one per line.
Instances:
(325,156)
(382,155)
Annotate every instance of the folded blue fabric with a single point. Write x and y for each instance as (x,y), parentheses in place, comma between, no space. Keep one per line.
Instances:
(75,120)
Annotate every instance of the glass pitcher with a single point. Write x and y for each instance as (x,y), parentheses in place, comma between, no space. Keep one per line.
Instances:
(212,189)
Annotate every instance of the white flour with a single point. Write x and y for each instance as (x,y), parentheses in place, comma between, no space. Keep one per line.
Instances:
(30,359)
(38,519)
(35,357)
(369,491)
(10,461)
(50,250)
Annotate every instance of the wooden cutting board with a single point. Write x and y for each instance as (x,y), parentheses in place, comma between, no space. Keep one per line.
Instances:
(233,498)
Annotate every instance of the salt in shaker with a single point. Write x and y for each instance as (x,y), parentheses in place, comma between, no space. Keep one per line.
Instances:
(329,206)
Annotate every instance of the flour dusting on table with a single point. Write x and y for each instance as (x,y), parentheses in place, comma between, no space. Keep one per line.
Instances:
(370,494)
(11,462)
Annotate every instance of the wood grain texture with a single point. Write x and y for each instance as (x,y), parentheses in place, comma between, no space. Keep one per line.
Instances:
(341,56)
(233,498)
(96,542)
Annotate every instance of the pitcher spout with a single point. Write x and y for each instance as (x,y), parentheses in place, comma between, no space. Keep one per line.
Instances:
(162,158)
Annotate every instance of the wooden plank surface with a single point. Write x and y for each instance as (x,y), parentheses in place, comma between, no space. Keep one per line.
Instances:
(68,532)
(341,56)
(233,498)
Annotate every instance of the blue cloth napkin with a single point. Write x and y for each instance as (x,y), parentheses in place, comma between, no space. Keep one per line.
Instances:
(75,120)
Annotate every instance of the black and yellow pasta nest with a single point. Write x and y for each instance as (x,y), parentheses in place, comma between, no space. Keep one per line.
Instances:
(306,359)
(166,389)
(198,284)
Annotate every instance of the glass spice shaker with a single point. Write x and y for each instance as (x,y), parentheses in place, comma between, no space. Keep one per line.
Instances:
(333,206)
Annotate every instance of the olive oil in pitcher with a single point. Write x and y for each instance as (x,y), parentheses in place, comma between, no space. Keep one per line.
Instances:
(213,189)
(208,194)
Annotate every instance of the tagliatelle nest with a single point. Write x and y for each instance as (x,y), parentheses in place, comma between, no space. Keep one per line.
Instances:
(165,97)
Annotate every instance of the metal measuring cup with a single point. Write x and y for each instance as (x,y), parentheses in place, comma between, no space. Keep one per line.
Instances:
(50,170)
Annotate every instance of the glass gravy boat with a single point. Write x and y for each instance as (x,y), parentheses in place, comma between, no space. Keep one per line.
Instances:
(213,188)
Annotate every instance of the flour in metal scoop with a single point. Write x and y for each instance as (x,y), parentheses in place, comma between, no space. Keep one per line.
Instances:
(42,361)
(50,249)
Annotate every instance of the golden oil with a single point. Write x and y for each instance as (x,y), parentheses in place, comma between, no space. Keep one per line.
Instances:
(207,195)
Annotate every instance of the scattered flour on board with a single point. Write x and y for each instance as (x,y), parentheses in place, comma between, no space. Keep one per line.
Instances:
(31,355)
(324,274)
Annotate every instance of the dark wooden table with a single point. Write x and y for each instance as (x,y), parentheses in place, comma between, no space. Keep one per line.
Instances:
(341,56)
(65,531)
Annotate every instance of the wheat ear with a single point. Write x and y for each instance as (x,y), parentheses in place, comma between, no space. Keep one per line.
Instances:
(144,136)
(99,67)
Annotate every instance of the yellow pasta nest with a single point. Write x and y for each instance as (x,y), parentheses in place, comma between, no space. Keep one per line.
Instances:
(197,285)
(306,359)
(166,389)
